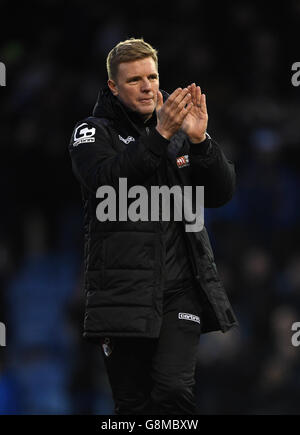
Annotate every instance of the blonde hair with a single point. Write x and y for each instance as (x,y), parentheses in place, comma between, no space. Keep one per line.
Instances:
(128,51)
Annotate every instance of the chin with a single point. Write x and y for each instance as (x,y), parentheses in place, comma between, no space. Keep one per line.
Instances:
(146,115)
(143,111)
(147,112)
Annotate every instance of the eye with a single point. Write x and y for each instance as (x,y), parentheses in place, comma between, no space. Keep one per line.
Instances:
(133,80)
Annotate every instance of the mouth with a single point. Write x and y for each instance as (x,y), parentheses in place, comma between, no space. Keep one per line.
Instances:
(146,100)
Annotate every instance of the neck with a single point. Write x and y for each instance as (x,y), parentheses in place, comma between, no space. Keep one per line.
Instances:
(145,118)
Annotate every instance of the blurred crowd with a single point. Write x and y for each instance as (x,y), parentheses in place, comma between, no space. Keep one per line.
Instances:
(241,54)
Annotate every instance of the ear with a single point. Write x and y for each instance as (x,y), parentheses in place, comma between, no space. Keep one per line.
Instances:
(113,87)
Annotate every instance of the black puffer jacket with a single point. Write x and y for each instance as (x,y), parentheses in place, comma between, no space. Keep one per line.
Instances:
(125,260)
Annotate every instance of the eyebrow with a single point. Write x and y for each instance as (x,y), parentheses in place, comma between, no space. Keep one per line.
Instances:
(139,77)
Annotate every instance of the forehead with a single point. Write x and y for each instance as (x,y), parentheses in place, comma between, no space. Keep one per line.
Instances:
(137,67)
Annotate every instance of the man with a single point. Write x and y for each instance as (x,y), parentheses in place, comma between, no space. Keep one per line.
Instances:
(151,287)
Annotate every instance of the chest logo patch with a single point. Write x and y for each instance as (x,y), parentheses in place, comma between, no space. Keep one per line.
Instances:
(183,161)
(127,140)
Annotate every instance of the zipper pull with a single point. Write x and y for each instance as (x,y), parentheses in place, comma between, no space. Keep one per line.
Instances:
(147,131)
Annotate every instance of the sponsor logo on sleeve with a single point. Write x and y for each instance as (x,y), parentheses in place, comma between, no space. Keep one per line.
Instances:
(84,134)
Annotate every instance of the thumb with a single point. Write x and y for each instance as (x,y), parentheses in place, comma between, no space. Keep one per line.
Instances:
(160,101)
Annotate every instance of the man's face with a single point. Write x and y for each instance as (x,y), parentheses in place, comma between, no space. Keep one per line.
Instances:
(137,85)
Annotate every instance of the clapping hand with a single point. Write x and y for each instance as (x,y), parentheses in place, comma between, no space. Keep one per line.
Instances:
(195,122)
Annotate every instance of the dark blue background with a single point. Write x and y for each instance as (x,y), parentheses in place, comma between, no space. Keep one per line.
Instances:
(241,54)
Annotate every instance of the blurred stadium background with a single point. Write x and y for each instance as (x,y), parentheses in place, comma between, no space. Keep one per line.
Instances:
(241,54)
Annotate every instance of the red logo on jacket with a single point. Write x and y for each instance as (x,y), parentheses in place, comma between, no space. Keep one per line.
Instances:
(183,161)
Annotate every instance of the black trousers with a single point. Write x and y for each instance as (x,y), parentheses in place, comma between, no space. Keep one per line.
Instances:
(157,376)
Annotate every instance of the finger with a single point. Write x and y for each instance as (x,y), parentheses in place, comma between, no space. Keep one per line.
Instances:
(198,96)
(203,104)
(185,111)
(160,101)
(184,102)
(173,96)
(180,97)
(194,94)
(190,89)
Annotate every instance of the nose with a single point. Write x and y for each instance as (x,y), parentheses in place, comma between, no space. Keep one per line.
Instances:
(146,85)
